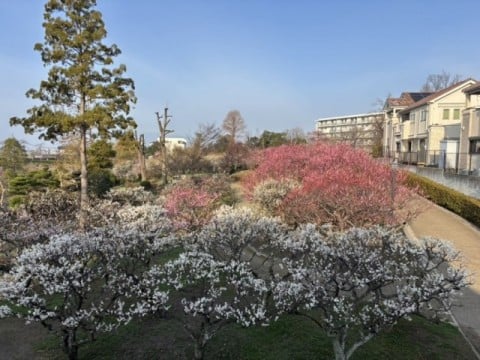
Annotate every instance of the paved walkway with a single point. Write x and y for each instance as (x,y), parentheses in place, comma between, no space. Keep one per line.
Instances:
(443,224)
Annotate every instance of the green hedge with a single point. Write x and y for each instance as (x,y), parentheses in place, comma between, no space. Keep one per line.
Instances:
(461,204)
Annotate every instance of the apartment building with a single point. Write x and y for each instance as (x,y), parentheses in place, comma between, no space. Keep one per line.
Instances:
(392,130)
(469,147)
(360,130)
(424,131)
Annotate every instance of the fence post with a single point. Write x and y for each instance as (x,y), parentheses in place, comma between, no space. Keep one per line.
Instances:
(457,159)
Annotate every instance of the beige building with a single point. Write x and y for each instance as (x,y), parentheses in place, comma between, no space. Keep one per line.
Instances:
(430,127)
(175,143)
(360,130)
(469,148)
(392,129)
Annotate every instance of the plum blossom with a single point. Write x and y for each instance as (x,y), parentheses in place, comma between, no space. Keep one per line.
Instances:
(210,294)
(363,280)
(85,281)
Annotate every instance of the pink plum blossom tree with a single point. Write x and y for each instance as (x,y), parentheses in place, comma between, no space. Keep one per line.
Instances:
(328,183)
(191,203)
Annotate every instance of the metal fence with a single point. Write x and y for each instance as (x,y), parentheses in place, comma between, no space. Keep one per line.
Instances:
(457,163)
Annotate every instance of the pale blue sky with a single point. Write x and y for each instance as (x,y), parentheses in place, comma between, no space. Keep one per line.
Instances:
(282,64)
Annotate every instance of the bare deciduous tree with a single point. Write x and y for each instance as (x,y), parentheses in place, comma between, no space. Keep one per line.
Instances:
(296,136)
(378,127)
(234,125)
(436,82)
(205,137)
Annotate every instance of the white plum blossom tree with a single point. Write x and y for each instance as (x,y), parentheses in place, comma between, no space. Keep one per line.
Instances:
(270,193)
(128,209)
(362,281)
(19,230)
(130,195)
(212,283)
(212,293)
(233,233)
(240,267)
(81,281)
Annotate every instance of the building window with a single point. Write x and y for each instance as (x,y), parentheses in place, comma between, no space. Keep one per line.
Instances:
(475,146)
(412,116)
(456,114)
(446,114)
(423,115)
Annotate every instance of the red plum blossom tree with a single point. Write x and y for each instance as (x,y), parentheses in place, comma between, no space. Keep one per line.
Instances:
(337,184)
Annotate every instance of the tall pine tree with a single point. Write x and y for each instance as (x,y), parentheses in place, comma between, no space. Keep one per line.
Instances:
(84,93)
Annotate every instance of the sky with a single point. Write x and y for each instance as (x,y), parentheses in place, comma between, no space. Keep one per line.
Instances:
(282,64)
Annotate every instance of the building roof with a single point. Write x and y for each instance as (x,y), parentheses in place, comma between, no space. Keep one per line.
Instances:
(406,99)
(473,89)
(417,96)
(351,116)
(435,95)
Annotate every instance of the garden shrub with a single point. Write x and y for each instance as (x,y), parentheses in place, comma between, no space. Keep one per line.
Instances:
(101,181)
(461,204)
(21,185)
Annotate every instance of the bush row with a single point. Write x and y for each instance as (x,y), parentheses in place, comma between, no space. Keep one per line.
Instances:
(461,204)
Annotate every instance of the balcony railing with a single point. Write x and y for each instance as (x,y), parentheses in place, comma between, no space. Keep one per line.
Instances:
(458,163)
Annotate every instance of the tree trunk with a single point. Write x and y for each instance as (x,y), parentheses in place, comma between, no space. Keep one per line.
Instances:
(164,162)
(83,179)
(338,349)
(69,344)
(141,162)
(140,146)
(198,349)
(2,192)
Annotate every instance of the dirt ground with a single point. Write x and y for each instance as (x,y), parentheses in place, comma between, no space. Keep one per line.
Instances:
(17,340)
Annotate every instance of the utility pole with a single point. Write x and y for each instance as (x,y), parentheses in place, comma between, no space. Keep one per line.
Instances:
(140,146)
(163,121)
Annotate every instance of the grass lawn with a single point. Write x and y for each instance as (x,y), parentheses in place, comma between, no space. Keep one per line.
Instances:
(291,337)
